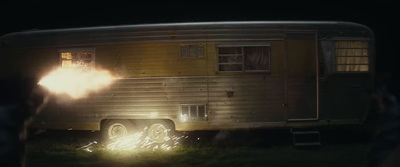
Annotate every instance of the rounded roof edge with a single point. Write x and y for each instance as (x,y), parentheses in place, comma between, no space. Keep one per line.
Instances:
(194,24)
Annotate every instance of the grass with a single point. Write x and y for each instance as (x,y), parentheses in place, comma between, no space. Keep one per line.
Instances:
(242,148)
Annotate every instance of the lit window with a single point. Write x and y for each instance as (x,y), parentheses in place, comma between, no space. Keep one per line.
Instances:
(83,58)
(244,58)
(351,56)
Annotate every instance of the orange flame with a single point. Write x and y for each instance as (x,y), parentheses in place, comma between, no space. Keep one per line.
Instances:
(76,82)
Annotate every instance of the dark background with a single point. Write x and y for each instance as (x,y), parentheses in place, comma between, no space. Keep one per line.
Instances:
(381,17)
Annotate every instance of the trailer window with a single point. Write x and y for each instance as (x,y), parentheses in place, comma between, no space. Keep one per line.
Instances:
(351,56)
(77,58)
(193,111)
(244,58)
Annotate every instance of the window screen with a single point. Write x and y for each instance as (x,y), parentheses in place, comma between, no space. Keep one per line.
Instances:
(244,58)
(351,56)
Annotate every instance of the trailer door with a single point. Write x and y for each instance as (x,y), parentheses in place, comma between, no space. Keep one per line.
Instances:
(301,78)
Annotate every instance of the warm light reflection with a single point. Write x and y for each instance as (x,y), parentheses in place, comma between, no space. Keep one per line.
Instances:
(140,140)
(184,118)
(88,147)
(76,82)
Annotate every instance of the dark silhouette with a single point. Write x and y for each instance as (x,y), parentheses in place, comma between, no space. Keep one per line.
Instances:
(385,150)
(20,99)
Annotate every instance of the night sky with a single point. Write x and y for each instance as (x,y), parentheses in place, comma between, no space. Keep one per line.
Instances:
(380,17)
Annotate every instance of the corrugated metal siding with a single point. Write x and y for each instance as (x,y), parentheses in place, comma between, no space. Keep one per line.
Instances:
(255,99)
(212,31)
(107,37)
(146,98)
(152,86)
(145,60)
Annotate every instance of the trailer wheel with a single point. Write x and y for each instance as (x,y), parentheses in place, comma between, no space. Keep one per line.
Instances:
(160,131)
(114,129)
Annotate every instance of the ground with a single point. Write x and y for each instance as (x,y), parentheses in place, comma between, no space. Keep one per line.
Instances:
(340,147)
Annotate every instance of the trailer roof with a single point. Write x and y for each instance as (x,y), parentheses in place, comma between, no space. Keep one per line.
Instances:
(167,32)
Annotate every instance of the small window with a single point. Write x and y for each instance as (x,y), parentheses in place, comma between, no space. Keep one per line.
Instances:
(201,111)
(244,58)
(351,56)
(77,58)
(192,50)
(193,111)
(185,110)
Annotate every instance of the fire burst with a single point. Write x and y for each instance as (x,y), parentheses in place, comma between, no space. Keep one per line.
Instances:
(76,82)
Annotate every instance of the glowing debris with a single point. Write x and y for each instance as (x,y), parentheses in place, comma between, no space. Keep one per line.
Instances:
(88,147)
(138,140)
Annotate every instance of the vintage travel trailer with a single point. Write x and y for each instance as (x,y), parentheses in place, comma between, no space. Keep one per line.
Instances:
(204,76)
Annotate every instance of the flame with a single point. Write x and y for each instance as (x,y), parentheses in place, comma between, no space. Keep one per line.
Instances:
(76,82)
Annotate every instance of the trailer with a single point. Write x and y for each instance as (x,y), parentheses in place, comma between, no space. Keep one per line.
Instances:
(204,76)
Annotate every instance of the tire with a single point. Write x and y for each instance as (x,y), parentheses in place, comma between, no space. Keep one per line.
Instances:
(160,131)
(114,129)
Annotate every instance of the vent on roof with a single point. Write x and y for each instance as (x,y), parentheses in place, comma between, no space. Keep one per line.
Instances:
(192,50)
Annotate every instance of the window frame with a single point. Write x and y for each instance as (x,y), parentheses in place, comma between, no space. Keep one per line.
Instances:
(189,117)
(334,56)
(60,51)
(243,57)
